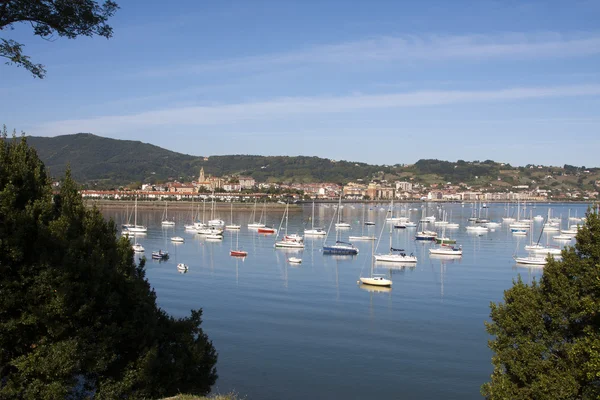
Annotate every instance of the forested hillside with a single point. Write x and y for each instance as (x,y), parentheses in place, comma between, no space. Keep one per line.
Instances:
(106,163)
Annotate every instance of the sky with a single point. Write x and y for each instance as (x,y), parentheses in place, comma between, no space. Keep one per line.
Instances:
(382,82)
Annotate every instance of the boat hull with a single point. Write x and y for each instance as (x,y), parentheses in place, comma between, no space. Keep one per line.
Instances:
(353,238)
(376,281)
(531,260)
(345,250)
(442,252)
(395,258)
(289,245)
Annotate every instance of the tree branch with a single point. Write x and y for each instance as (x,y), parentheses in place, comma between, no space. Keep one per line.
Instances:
(13,52)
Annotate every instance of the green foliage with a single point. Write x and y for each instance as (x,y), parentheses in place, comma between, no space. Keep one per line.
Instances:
(457,172)
(103,163)
(77,315)
(67,18)
(116,162)
(547,341)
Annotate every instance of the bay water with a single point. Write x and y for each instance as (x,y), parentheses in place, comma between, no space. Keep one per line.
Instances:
(309,330)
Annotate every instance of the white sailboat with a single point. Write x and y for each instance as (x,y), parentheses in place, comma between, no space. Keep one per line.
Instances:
(214,221)
(314,231)
(571,229)
(340,222)
(446,250)
(136,228)
(362,236)
(192,226)
(232,226)
(508,217)
(165,220)
(391,218)
(395,255)
(288,242)
(375,279)
(254,224)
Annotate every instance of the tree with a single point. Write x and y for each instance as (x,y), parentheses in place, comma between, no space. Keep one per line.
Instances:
(546,339)
(77,315)
(65,18)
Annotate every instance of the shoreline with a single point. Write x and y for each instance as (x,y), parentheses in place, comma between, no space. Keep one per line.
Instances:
(220,206)
(184,205)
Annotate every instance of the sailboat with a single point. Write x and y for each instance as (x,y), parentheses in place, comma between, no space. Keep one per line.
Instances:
(340,223)
(537,246)
(443,239)
(288,242)
(363,236)
(314,231)
(165,220)
(192,226)
(572,229)
(136,228)
(341,248)
(252,223)
(529,260)
(214,221)
(391,218)
(375,279)
(128,216)
(238,252)
(547,249)
(508,217)
(232,226)
(425,234)
(265,228)
(551,225)
(444,249)
(395,255)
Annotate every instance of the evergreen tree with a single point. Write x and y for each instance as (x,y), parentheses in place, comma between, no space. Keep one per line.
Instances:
(547,334)
(77,317)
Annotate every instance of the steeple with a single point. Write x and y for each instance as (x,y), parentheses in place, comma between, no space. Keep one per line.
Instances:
(201,177)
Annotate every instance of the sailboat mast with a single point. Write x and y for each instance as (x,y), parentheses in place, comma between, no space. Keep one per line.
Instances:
(135,218)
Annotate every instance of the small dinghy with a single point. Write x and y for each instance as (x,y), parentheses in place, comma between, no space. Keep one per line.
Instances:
(160,255)
(295,260)
(182,267)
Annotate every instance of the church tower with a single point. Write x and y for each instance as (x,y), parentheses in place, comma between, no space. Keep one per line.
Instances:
(201,177)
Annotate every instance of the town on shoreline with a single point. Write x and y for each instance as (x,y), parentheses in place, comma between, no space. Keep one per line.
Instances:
(244,192)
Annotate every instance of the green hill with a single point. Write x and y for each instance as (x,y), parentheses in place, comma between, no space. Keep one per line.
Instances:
(111,161)
(105,163)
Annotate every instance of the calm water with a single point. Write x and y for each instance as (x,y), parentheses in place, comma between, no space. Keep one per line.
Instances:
(286,331)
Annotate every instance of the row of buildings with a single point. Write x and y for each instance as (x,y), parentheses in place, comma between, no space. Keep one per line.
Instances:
(243,187)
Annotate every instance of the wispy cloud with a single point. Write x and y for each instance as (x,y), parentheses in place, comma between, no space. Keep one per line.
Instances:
(408,49)
(231,114)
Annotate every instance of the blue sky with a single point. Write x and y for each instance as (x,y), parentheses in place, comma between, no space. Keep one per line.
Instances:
(376,81)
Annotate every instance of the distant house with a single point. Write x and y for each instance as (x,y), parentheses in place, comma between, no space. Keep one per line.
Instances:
(246,182)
